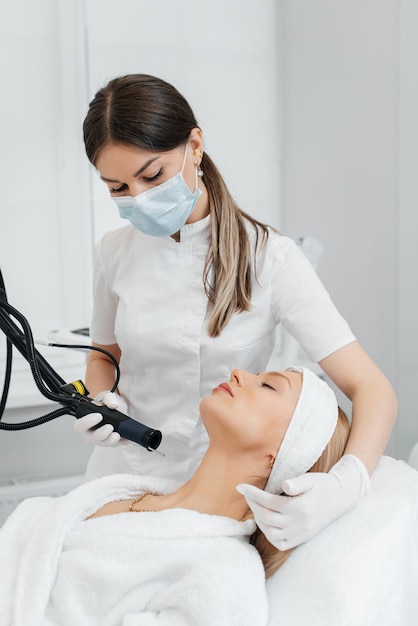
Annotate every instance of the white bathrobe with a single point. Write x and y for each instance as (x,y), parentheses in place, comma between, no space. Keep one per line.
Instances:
(168,568)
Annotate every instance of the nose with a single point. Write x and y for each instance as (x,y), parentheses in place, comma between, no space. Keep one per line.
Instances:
(242,377)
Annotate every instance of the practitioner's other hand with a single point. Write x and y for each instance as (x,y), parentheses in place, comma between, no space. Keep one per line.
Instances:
(309,502)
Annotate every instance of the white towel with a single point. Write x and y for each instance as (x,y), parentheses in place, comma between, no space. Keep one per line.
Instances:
(311,427)
(175,567)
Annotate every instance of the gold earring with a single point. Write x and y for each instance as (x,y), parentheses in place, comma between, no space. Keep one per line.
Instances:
(272,460)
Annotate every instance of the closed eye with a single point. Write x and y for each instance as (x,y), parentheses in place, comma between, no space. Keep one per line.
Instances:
(268,386)
(119,189)
(150,179)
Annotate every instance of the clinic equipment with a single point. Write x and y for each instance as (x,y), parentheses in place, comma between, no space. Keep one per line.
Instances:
(72,396)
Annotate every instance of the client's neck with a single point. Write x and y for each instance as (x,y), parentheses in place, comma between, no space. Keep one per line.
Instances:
(212,488)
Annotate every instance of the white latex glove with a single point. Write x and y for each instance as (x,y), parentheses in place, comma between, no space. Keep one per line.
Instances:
(318,499)
(105,435)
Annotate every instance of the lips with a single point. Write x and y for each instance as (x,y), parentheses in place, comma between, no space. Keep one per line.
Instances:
(225,388)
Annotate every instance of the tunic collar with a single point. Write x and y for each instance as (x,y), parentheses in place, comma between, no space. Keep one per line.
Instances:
(197,232)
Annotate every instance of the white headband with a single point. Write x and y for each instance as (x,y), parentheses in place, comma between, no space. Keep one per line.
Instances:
(311,427)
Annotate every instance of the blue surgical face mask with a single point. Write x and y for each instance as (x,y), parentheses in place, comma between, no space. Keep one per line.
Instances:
(163,210)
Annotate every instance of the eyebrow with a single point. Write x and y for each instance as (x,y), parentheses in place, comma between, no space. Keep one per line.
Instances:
(281,376)
(141,169)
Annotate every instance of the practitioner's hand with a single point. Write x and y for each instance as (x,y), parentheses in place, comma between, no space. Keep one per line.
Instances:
(316,500)
(105,435)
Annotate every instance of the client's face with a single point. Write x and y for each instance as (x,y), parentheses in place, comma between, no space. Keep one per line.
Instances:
(251,409)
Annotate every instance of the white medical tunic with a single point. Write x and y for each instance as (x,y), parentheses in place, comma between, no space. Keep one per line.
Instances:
(149,298)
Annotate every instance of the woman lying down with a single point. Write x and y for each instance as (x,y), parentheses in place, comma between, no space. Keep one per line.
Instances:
(140,551)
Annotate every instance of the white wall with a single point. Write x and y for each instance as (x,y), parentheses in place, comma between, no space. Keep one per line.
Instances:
(45,230)
(408,226)
(340,171)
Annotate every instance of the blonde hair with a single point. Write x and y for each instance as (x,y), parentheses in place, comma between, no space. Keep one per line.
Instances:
(230,288)
(146,112)
(273,558)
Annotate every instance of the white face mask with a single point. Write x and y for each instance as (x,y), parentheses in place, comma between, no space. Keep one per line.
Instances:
(163,210)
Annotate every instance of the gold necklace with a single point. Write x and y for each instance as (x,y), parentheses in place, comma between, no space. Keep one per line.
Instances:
(141,497)
(149,493)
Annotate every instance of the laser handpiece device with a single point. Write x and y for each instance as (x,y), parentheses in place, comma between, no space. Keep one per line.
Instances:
(73,396)
(127,427)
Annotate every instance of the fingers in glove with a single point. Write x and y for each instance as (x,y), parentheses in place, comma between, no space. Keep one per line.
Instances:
(86,422)
(281,518)
(299,485)
(115,438)
(283,531)
(278,537)
(267,507)
(103,434)
(258,496)
(112,401)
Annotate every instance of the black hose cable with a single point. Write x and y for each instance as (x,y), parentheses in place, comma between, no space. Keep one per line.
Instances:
(34,422)
(22,338)
(95,348)
(32,360)
(7,376)
(30,351)
(9,356)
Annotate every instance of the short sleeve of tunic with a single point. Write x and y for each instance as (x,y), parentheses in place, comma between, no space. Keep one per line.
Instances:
(105,301)
(301,302)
